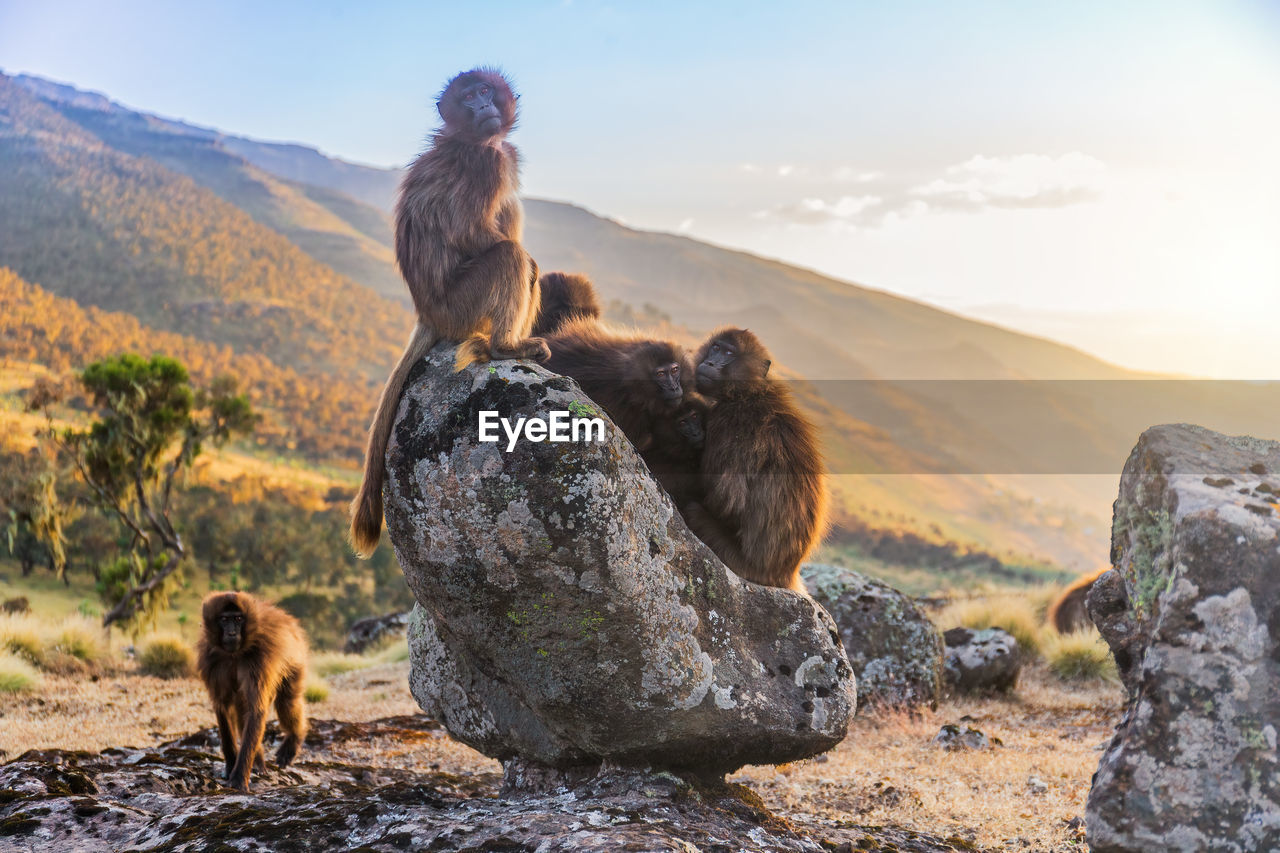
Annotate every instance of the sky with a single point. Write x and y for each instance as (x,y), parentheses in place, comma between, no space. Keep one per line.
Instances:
(1101,173)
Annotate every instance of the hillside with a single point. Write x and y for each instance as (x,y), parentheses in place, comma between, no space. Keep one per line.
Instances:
(933,424)
(108,229)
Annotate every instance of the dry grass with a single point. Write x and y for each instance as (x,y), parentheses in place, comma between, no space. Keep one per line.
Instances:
(328,664)
(1079,656)
(166,656)
(886,771)
(71,646)
(1014,612)
(17,675)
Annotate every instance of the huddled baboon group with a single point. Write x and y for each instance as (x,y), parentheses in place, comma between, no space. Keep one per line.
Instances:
(722,436)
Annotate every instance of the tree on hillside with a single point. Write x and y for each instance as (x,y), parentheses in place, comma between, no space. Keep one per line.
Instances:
(151,427)
(32,518)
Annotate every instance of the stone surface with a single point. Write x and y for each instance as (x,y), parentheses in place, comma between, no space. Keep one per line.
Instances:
(168,798)
(566,614)
(981,661)
(371,630)
(954,737)
(1192,612)
(893,647)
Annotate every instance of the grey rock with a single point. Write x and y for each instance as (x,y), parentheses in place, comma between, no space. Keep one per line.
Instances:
(1192,613)
(366,632)
(981,661)
(169,798)
(567,617)
(893,647)
(953,737)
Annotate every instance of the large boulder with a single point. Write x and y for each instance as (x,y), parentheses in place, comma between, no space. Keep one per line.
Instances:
(568,617)
(893,647)
(1192,613)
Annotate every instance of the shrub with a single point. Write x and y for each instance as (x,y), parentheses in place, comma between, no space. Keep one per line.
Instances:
(1012,612)
(1080,656)
(167,656)
(315,691)
(20,635)
(17,674)
(81,639)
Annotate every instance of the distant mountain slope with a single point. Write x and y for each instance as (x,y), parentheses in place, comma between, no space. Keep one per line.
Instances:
(311,415)
(126,234)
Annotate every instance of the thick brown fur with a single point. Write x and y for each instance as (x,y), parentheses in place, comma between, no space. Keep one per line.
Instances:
(565,296)
(625,372)
(1068,613)
(458,228)
(264,663)
(764,506)
(675,456)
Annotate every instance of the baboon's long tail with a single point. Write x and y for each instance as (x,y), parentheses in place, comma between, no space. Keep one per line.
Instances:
(366,509)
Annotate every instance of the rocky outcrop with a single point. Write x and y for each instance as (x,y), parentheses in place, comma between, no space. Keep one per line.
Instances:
(169,798)
(981,661)
(1191,611)
(893,647)
(567,616)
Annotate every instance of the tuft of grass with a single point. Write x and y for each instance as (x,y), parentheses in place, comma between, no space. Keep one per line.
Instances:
(1015,613)
(20,635)
(315,691)
(80,638)
(1080,656)
(17,675)
(167,656)
(328,664)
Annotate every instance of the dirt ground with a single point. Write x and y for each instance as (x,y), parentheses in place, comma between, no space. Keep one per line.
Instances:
(1020,795)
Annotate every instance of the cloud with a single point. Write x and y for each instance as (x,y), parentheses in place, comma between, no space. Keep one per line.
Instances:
(684,226)
(855,210)
(1024,181)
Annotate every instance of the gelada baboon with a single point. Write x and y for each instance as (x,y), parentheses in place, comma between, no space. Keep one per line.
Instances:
(458,228)
(675,455)
(565,296)
(638,381)
(764,503)
(1069,613)
(251,655)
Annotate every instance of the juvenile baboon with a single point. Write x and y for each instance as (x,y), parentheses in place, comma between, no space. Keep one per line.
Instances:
(251,655)
(458,229)
(675,455)
(764,505)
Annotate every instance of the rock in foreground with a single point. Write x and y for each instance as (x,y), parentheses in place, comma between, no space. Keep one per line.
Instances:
(568,617)
(893,647)
(166,798)
(1192,613)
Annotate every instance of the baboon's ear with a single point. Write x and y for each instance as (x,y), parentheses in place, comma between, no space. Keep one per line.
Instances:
(767,365)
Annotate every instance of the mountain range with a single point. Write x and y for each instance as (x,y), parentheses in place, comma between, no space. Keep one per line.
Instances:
(275,261)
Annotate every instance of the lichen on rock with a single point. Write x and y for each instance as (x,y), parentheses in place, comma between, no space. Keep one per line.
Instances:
(566,614)
(1191,611)
(894,648)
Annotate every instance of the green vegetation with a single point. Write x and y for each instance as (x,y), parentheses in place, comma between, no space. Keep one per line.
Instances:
(128,461)
(166,656)
(17,675)
(315,691)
